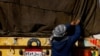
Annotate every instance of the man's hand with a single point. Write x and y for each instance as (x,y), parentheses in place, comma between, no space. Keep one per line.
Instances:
(75,22)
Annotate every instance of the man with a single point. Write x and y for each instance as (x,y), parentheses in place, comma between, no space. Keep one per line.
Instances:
(64,37)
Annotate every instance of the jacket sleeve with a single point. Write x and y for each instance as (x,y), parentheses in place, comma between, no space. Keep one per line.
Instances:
(72,39)
(68,26)
(76,35)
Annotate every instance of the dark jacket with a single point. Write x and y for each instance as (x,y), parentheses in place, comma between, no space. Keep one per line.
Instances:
(63,48)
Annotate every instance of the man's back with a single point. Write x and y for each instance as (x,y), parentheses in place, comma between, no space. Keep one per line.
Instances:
(63,48)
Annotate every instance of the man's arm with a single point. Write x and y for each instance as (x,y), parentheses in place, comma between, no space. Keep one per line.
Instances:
(77,32)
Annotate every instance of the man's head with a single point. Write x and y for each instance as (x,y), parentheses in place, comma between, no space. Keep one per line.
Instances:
(59,30)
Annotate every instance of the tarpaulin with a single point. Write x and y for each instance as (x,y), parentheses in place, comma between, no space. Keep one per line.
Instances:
(29,16)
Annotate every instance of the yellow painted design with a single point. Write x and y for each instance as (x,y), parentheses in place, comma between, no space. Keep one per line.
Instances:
(21,42)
